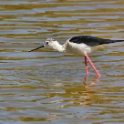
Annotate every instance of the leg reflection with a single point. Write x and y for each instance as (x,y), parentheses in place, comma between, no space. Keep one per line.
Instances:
(90,82)
(89,87)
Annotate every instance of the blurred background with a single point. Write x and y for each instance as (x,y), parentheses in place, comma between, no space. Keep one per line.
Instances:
(47,87)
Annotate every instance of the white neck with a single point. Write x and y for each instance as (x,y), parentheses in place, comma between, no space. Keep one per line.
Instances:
(58,47)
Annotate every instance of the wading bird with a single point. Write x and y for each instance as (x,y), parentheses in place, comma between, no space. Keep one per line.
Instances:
(80,46)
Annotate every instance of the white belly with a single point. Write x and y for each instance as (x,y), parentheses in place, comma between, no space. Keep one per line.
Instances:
(78,49)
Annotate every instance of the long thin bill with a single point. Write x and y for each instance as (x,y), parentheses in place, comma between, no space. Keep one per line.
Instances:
(36,48)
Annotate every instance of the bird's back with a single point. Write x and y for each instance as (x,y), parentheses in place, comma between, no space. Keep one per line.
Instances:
(91,40)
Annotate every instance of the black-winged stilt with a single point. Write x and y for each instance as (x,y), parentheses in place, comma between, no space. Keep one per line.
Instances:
(81,46)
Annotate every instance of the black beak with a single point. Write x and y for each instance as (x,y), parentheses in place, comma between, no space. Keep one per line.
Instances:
(36,48)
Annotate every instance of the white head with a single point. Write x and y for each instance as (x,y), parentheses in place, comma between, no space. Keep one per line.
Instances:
(54,44)
(51,43)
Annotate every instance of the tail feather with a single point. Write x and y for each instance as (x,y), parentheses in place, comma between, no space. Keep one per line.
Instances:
(107,41)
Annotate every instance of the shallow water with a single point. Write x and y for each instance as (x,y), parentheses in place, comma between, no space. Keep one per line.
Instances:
(47,87)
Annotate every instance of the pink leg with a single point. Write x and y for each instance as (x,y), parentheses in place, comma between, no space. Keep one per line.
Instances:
(93,66)
(86,66)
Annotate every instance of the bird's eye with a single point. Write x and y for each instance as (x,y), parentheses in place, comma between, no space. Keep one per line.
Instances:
(47,42)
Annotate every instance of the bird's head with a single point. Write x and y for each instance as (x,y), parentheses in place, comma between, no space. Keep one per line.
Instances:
(49,43)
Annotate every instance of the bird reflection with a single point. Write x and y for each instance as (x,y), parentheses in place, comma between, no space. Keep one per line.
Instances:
(90,83)
(89,89)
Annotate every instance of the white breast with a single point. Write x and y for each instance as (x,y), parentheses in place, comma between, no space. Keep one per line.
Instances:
(78,49)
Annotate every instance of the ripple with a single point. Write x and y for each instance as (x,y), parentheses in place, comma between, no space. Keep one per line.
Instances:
(50,87)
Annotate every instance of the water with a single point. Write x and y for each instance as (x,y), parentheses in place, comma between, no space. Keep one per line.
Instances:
(47,87)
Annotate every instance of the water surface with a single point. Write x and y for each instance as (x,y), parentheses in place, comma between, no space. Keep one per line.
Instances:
(49,87)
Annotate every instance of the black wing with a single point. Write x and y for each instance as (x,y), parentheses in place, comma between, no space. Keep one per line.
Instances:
(91,40)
